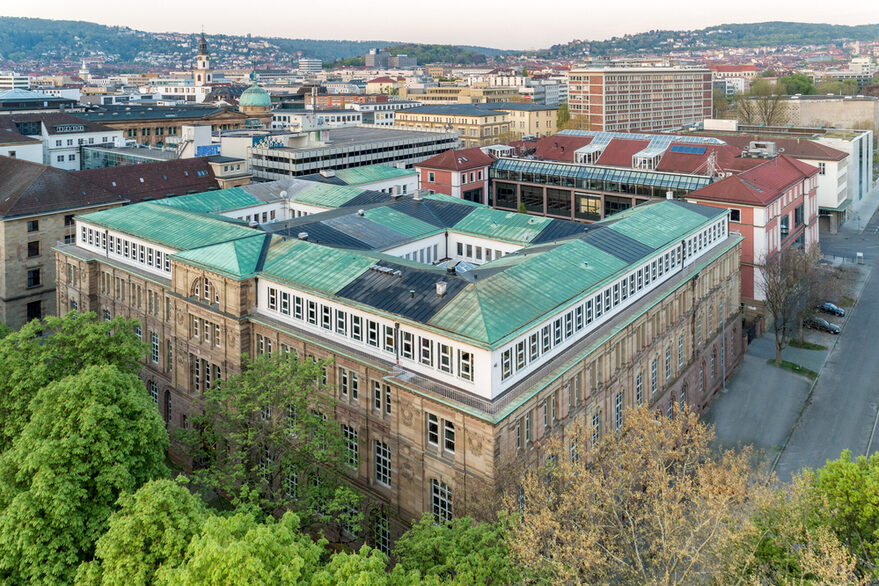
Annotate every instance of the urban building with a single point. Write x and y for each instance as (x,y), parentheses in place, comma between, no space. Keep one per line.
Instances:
(332,101)
(19,101)
(160,125)
(639,98)
(10,80)
(385,85)
(460,173)
(376,178)
(62,136)
(36,212)
(476,126)
(441,373)
(309,65)
(381,114)
(773,206)
(459,94)
(309,120)
(531,120)
(154,180)
(843,156)
(275,156)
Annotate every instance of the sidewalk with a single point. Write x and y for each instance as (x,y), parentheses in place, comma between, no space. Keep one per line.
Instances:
(864,208)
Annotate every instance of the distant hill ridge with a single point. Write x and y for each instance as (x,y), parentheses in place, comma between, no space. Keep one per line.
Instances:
(749,35)
(22,39)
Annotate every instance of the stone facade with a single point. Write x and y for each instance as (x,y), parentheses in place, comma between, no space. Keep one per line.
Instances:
(198,323)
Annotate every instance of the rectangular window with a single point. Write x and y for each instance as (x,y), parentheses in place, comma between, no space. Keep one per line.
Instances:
(341,323)
(408,345)
(578,318)
(326,317)
(449,436)
(533,347)
(441,497)
(387,400)
(639,389)
(465,365)
(372,333)
(273,298)
(520,355)
(546,339)
(653,381)
(618,411)
(297,307)
(557,332)
(426,354)
(445,357)
(154,343)
(285,303)
(506,364)
(312,312)
(390,339)
(382,463)
(351,448)
(356,332)
(343,382)
(569,324)
(680,351)
(667,364)
(354,386)
(33,249)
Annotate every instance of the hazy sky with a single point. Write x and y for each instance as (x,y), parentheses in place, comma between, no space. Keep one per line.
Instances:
(514,24)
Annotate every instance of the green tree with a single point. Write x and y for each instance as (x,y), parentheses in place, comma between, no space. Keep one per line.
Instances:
(42,352)
(152,528)
(91,436)
(563,116)
(271,428)
(463,551)
(524,72)
(721,107)
(848,87)
(238,550)
(848,492)
(522,209)
(797,83)
(367,567)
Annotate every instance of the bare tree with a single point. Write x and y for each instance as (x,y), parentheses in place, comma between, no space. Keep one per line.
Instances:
(649,505)
(792,284)
(762,105)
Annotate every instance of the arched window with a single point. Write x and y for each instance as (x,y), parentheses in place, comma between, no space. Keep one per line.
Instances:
(204,290)
(683,396)
(669,410)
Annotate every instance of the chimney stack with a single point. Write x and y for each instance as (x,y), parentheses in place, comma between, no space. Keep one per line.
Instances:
(441,288)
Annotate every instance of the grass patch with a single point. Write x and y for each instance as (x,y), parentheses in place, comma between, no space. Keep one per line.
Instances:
(806,345)
(846,301)
(788,365)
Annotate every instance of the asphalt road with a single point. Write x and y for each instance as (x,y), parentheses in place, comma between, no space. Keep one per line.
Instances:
(842,412)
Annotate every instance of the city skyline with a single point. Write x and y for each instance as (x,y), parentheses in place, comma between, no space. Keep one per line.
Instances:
(385,23)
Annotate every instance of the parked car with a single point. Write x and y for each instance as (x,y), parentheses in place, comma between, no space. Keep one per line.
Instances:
(817,323)
(831,308)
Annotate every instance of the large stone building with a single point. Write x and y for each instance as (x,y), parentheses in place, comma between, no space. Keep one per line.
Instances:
(458,336)
(475,126)
(639,98)
(36,211)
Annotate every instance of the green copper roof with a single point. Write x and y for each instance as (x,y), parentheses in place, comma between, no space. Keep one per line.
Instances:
(304,263)
(371,174)
(534,284)
(499,225)
(255,96)
(400,222)
(215,202)
(326,195)
(656,229)
(238,259)
(167,226)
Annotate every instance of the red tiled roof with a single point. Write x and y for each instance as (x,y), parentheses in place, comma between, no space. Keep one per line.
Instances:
(459,160)
(560,147)
(154,180)
(760,185)
(618,153)
(384,79)
(801,148)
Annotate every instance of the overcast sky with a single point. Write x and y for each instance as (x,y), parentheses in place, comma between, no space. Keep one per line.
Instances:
(514,24)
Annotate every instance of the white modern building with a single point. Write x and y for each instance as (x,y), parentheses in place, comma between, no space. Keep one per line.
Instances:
(10,80)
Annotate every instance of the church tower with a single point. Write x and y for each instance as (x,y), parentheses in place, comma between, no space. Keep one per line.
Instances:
(203,75)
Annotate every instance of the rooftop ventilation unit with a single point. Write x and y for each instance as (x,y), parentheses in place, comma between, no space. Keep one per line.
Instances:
(303,236)
(441,288)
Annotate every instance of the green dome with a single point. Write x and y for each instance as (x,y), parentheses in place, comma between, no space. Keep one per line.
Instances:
(255,96)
